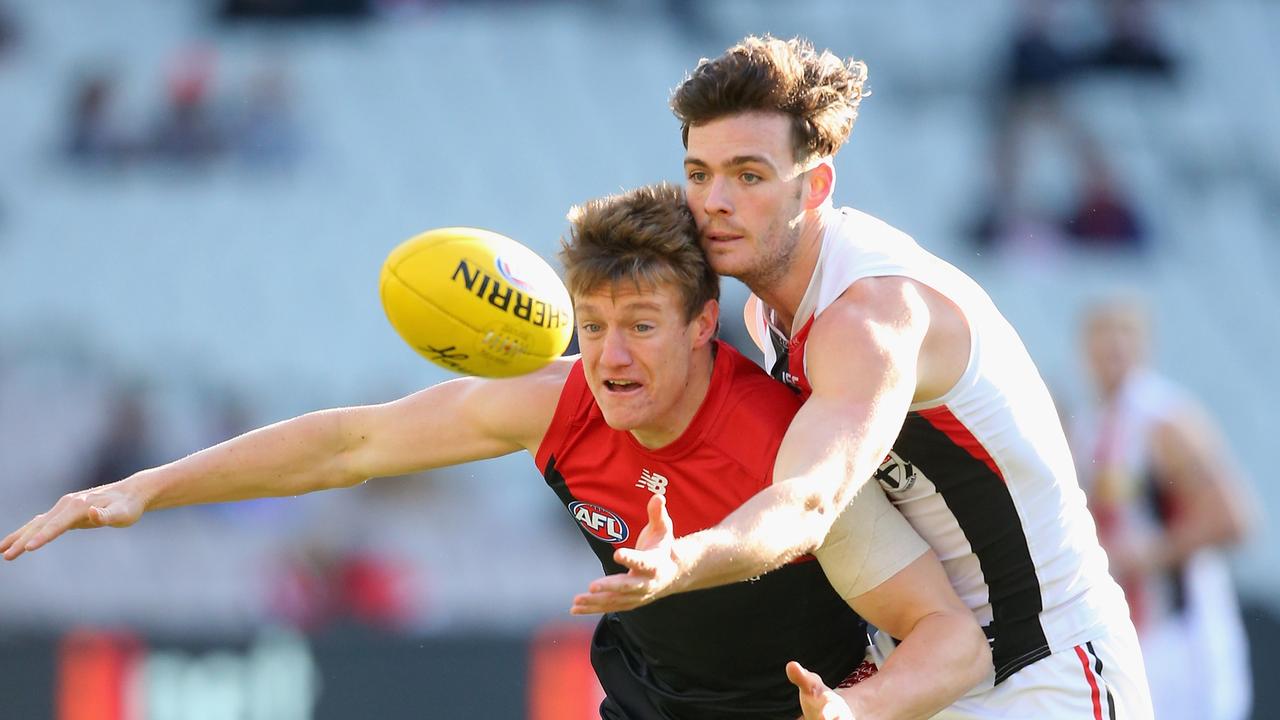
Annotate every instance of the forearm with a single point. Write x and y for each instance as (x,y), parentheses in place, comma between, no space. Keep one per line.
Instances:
(292,457)
(768,531)
(942,658)
(1185,538)
(816,476)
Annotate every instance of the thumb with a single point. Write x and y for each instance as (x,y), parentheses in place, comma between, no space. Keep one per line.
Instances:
(99,514)
(808,682)
(659,519)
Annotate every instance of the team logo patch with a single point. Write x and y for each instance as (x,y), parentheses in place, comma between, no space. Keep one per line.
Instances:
(504,269)
(895,474)
(653,482)
(600,521)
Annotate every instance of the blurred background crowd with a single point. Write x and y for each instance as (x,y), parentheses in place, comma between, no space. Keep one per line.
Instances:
(196,197)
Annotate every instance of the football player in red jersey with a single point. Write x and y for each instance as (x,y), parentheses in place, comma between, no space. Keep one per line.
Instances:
(655,417)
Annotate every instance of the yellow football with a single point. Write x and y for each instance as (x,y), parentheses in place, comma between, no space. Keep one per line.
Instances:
(476,302)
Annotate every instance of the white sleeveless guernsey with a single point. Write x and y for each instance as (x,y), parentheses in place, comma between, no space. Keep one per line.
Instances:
(1188,618)
(982,473)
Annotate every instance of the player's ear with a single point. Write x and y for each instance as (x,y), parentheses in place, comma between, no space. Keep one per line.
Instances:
(706,322)
(820,181)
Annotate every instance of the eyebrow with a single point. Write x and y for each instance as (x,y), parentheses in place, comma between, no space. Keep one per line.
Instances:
(588,308)
(735,161)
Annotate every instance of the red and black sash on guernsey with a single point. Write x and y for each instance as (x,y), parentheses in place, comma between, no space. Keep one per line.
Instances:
(974,489)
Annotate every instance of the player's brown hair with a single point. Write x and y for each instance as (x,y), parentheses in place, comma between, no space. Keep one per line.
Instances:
(818,90)
(646,236)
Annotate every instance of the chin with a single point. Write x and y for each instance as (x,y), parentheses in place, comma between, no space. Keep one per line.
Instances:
(621,422)
(726,266)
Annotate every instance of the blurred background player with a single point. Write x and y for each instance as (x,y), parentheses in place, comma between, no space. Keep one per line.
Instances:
(1166,492)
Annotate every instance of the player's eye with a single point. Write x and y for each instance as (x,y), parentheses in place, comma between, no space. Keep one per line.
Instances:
(750,178)
(698,176)
(589,327)
(643,327)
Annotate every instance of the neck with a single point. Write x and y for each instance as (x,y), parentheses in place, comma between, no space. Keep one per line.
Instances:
(1111,391)
(783,296)
(675,422)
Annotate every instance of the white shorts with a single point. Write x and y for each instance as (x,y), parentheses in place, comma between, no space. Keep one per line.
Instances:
(1099,680)
(1198,660)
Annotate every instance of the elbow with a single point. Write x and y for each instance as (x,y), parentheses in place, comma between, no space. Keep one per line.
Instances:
(975,656)
(982,665)
(818,514)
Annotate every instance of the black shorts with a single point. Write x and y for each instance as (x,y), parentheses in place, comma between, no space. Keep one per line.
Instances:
(632,693)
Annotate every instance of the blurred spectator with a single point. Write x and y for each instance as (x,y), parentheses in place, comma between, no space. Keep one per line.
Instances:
(322,585)
(292,9)
(1039,63)
(1042,61)
(8,31)
(125,447)
(1102,217)
(187,130)
(1167,499)
(1132,42)
(265,131)
(95,134)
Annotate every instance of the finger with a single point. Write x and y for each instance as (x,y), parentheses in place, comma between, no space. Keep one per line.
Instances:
(11,546)
(622,584)
(7,542)
(638,562)
(52,527)
(659,520)
(599,603)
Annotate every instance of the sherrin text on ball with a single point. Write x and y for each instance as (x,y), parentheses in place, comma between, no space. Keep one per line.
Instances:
(476,302)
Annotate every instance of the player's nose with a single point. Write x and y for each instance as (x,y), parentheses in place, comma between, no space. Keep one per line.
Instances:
(717,201)
(613,349)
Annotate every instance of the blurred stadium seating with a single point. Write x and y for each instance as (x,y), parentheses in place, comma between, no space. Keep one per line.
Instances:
(225,282)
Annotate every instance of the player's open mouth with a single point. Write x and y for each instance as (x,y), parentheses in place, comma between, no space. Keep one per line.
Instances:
(621,386)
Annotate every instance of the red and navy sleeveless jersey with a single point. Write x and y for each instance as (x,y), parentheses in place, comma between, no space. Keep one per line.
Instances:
(719,652)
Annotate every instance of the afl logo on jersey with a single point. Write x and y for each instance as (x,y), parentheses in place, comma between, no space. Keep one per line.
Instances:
(895,474)
(599,521)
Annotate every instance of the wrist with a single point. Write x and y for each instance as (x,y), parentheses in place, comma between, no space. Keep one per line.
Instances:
(682,557)
(145,487)
(858,698)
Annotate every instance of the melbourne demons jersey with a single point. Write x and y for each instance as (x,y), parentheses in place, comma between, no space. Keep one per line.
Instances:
(982,473)
(714,653)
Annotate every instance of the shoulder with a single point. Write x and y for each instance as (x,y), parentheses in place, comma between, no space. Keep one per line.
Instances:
(757,409)
(891,302)
(524,405)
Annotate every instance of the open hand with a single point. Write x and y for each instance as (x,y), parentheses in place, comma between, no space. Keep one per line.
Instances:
(651,569)
(107,505)
(818,701)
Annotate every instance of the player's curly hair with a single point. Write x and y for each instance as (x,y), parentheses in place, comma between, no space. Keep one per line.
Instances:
(646,236)
(818,90)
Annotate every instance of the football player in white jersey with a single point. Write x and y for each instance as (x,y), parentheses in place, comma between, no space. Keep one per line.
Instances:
(1167,499)
(911,377)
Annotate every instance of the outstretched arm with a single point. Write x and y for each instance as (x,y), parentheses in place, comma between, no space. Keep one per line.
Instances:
(454,422)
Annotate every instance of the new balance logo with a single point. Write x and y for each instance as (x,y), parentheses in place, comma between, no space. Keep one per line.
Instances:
(653,482)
